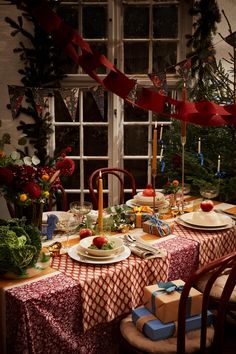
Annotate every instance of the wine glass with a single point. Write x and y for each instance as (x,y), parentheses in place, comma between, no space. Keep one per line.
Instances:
(68,226)
(209,192)
(80,209)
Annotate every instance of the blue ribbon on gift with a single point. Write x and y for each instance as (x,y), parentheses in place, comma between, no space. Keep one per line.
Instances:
(168,288)
(159,224)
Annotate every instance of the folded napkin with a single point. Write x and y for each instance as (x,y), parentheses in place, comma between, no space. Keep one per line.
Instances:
(147,254)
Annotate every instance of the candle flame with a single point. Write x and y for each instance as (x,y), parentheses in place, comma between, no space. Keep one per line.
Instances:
(100,174)
(155,125)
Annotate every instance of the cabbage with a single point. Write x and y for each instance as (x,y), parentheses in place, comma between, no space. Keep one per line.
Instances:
(20,246)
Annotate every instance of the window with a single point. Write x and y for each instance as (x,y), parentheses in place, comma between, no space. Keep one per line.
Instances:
(139,37)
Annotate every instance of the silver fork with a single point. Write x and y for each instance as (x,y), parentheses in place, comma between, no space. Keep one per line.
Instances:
(132,240)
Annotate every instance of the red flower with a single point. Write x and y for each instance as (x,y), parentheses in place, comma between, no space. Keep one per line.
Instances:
(6,176)
(66,167)
(33,190)
(68,149)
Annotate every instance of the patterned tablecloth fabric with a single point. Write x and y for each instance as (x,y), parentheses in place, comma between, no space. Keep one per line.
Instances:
(112,290)
(71,312)
(212,244)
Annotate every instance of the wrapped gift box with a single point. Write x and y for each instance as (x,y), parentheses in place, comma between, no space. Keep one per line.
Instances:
(165,305)
(154,329)
(158,227)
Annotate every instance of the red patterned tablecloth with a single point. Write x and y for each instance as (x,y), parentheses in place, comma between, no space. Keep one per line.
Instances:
(108,291)
(51,314)
(212,244)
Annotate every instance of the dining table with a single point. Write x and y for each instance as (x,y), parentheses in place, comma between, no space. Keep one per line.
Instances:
(75,306)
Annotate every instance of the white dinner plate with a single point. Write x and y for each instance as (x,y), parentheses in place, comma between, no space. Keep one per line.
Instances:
(228,226)
(206,219)
(73,253)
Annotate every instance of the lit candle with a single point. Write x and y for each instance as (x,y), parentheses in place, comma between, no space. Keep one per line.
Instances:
(100,202)
(218,164)
(161,131)
(161,154)
(154,151)
(199,146)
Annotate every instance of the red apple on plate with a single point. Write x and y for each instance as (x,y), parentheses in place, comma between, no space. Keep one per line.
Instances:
(207,205)
(99,241)
(148,191)
(85,233)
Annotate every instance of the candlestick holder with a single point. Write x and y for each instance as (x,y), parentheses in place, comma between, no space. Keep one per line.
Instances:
(183,142)
(154,191)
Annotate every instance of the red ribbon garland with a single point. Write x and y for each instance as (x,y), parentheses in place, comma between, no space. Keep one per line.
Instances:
(202,113)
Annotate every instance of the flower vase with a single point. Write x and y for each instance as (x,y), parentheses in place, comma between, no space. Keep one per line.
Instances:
(33,213)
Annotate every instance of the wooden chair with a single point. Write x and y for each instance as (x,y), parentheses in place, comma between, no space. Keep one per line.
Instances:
(204,340)
(119,173)
(58,199)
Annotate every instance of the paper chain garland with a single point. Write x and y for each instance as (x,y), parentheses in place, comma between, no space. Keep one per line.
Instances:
(203,113)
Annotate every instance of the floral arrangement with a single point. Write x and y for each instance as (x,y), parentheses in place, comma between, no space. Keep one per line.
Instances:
(171,187)
(24,181)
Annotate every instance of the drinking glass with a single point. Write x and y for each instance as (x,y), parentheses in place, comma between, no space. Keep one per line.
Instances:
(68,227)
(80,209)
(209,192)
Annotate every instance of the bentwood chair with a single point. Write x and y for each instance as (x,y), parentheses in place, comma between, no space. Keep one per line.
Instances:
(122,176)
(208,339)
(58,199)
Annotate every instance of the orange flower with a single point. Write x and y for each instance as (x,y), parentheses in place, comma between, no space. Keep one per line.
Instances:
(23,197)
(175,183)
(45,177)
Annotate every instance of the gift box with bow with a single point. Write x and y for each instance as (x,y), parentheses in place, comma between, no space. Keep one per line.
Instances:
(162,300)
(158,227)
(154,329)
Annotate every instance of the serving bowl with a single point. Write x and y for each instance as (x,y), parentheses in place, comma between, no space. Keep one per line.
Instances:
(88,241)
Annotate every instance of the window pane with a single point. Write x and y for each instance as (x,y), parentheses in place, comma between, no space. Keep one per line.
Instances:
(61,112)
(93,108)
(135,140)
(165,21)
(95,141)
(132,113)
(100,47)
(164,56)
(136,22)
(67,136)
(91,166)
(139,169)
(95,22)
(136,58)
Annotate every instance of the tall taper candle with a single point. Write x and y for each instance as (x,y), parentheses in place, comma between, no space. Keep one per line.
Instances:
(218,164)
(161,132)
(199,146)
(154,151)
(183,121)
(100,202)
